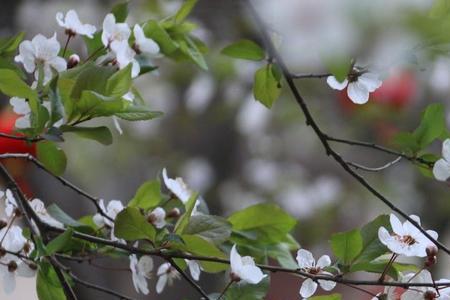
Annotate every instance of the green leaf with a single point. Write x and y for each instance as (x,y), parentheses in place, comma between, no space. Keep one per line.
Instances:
(91,78)
(184,10)
(268,222)
(53,157)
(432,125)
(184,220)
(372,247)
(9,45)
(347,245)
(48,285)
(407,142)
(58,214)
(148,195)
(266,87)
(156,32)
(248,291)
(327,297)
(199,246)
(244,49)
(188,47)
(100,134)
(440,9)
(13,86)
(93,104)
(120,11)
(119,84)
(138,113)
(212,228)
(131,225)
(339,66)
(59,242)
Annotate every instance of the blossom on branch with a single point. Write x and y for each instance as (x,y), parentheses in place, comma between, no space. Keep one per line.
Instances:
(441,168)
(41,52)
(140,272)
(417,293)
(73,25)
(142,43)
(307,263)
(10,202)
(167,274)
(359,85)
(114,207)
(113,31)
(177,186)
(244,268)
(406,239)
(39,208)
(158,217)
(124,56)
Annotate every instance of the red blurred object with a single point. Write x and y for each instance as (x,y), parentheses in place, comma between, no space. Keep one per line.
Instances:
(397,92)
(16,167)
(7,121)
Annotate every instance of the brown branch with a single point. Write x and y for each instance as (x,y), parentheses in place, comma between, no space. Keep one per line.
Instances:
(311,75)
(310,121)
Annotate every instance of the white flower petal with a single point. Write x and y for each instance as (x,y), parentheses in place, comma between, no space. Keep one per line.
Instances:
(308,288)
(446,150)
(305,259)
(251,274)
(357,92)
(441,170)
(194,269)
(160,285)
(25,271)
(324,261)
(9,282)
(370,81)
(397,226)
(327,285)
(335,84)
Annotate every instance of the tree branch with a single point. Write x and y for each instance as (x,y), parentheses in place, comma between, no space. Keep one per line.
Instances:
(311,75)
(310,121)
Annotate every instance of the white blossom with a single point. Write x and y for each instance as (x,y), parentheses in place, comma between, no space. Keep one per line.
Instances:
(406,239)
(158,217)
(112,209)
(307,263)
(140,272)
(143,44)
(167,274)
(10,202)
(11,270)
(359,85)
(41,51)
(124,56)
(441,168)
(73,25)
(177,186)
(244,268)
(39,208)
(13,240)
(422,292)
(113,31)
(194,268)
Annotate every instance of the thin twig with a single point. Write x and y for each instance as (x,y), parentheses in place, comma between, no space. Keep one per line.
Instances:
(377,169)
(311,75)
(64,181)
(310,121)
(188,279)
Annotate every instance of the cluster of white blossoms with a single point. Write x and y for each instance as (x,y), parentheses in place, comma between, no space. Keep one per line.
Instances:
(40,56)
(359,84)
(14,247)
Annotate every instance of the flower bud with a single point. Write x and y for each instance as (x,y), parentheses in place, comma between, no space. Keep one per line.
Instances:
(234,277)
(2,252)
(431,250)
(429,295)
(174,213)
(430,261)
(12,266)
(151,218)
(3,224)
(73,61)
(26,247)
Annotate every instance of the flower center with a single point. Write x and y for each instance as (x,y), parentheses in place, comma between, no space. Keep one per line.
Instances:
(429,295)
(407,239)
(314,270)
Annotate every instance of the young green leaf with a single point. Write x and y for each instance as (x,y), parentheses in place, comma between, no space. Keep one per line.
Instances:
(48,285)
(199,246)
(131,225)
(432,125)
(347,245)
(372,247)
(184,220)
(13,86)
(119,83)
(53,157)
(57,108)
(212,228)
(120,11)
(244,49)
(184,10)
(59,242)
(100,134)
(266,87)
(148,195)
(138,113)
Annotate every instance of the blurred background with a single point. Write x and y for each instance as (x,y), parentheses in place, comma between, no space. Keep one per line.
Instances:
(235,151)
